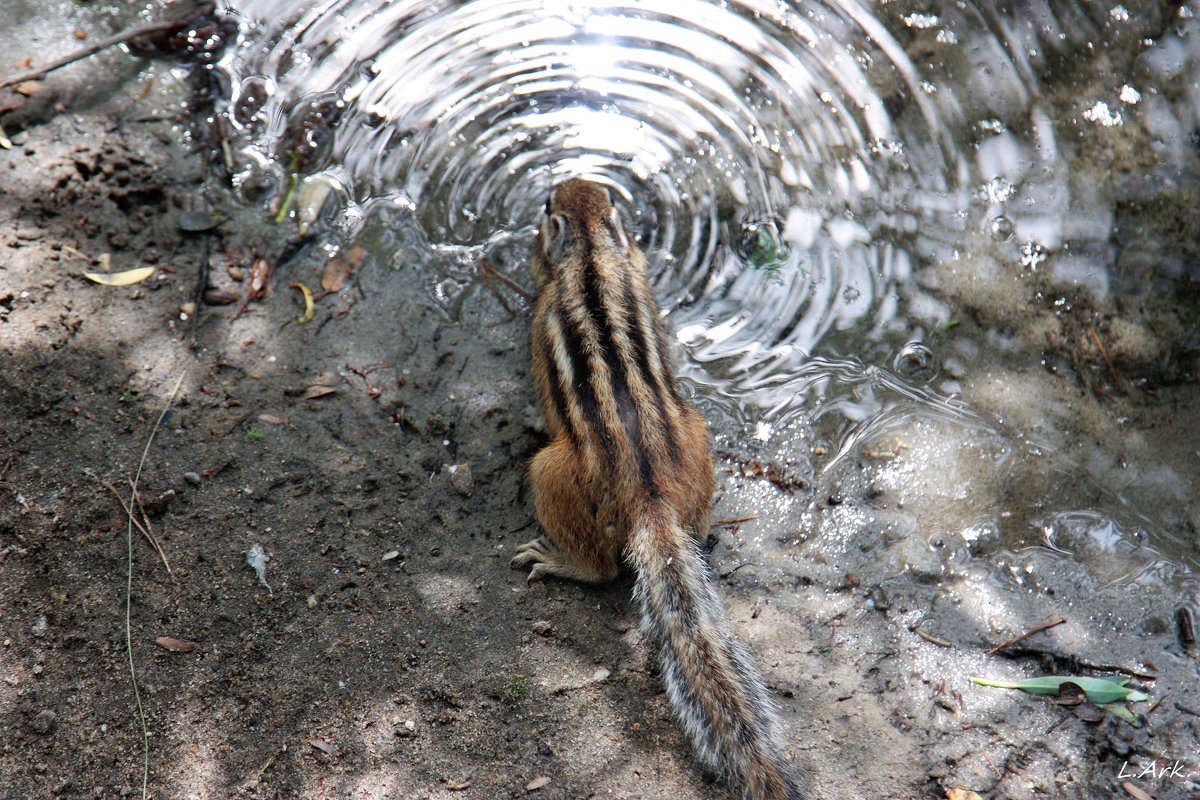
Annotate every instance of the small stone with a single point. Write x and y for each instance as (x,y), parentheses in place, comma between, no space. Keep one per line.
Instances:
(40,626)
(536,783)
(192,477)
(312,601)
(390,554)
(542,627)
(461,480)
(44,722)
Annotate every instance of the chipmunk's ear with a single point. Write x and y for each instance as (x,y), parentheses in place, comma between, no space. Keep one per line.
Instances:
(554,236)
(617,230)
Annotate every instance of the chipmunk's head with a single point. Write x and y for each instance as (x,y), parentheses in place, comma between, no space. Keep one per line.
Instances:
(579,216)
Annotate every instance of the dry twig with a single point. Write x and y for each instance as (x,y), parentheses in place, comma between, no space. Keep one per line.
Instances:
(1025,636)
(488,269)
(188,12)
(148,532)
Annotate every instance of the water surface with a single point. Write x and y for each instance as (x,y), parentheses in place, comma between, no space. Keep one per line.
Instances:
(882,233)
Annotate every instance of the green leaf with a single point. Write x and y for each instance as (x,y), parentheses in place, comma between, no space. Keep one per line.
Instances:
(768,252)
(946,325)
(1120,711)
(1098,690)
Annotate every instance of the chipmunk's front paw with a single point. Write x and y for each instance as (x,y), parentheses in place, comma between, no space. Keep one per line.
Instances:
(540,553)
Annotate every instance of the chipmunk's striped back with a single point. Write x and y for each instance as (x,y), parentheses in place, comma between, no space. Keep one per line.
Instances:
(628,473)
(601,355)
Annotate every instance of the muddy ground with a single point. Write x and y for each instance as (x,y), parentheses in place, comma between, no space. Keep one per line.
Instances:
(395,654)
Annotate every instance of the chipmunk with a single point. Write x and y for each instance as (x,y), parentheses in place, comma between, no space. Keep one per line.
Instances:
(628,473)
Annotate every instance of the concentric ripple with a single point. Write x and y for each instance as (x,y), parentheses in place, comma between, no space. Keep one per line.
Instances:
(730,132)
(788,165)
(807,177)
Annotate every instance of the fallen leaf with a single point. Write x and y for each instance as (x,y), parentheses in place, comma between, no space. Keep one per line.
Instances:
(271,419)
(536,783)
(313,392)
(1098,690)
(28,88)
(220,297)
(338,270)
(308,302)
(458,786)
(126,278)
(1135,792)
(260,279)
(959,793)
(174,645)
(198,221)
(1121,712)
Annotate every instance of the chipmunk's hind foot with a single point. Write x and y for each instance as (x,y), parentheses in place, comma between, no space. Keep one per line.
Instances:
(547,559)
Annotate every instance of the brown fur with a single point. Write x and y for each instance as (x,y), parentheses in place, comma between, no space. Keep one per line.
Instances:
(628,473)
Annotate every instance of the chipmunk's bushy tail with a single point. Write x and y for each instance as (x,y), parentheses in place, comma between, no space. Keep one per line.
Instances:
(712,682)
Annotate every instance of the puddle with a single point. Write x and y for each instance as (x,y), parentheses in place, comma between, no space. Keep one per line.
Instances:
(878,234)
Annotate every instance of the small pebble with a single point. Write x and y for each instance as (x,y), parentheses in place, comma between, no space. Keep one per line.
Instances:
(461,480)
(44,722)
(192,477)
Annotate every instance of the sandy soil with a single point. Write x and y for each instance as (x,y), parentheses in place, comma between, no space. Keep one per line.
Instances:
(394,654)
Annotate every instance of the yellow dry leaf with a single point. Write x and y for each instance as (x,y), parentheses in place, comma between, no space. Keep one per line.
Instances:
(126,278)
(959,793)
(308,302)
(28,88)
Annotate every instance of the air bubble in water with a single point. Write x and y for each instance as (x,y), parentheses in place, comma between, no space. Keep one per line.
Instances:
(997,190)
(915,361)
(1001,228)
(1032,255)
